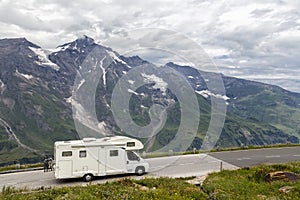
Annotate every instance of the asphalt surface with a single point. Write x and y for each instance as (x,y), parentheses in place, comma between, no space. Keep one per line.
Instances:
(175,166)
(187,165)
(248,158)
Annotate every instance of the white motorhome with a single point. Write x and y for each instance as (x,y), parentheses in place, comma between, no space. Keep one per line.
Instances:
(98,157)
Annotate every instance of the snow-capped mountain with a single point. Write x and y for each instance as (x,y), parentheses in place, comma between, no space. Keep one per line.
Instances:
(37,93)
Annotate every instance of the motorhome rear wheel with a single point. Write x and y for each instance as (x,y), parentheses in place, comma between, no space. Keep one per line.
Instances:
(88,177)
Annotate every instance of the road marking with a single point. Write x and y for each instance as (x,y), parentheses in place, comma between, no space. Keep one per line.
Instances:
(273,156)
(244,158)
(186,164)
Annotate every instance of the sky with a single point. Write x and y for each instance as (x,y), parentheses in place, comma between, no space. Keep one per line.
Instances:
(256,40)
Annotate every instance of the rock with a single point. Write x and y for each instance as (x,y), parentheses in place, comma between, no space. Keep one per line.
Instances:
(141,187)
(197,181)
(280,175)
(260,196)
(286,189)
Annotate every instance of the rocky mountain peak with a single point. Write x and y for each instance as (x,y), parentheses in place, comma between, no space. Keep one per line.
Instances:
(78,44)
(9,42)
(85,40)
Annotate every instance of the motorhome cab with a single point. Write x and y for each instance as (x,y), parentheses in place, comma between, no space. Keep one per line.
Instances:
(98,157)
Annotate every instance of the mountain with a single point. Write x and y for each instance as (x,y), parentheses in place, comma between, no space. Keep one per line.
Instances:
(37,88)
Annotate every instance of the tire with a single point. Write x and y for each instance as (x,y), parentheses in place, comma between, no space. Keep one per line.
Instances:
(140,170)
(88,177)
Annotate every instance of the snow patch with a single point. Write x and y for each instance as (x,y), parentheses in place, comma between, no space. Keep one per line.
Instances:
(43,58)
(207,93)
(103,70)
(131,82)
(60,48)
(69,100)
(2,85)
(116,58)
(27,76)
(159,82)
(85,117)
(102,125)
(133,92)
(81,83)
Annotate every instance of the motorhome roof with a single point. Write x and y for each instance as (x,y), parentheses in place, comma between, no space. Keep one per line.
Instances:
(106,141)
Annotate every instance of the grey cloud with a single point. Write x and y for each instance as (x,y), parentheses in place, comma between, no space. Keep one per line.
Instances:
(265,43)
(261,12)
(11,15)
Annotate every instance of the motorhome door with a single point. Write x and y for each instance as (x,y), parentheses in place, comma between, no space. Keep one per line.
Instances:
(132,161)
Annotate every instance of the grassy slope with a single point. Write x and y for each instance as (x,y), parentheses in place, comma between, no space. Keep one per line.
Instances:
(270,106)
(38,118)
(249,183)
(233,134)
(162,188)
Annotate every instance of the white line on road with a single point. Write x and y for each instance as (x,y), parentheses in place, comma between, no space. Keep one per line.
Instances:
(273,156)
(244,158)
(191,163)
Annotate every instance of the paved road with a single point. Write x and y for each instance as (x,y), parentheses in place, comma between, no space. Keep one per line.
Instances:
(175,166)
(248,158)
(188,165)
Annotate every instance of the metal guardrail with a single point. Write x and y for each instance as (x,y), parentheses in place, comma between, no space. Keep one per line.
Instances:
(21,170)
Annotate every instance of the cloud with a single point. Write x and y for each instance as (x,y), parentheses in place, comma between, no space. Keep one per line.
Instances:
(265,34)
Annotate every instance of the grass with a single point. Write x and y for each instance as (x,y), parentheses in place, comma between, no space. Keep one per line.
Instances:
(149,188)
(250,184)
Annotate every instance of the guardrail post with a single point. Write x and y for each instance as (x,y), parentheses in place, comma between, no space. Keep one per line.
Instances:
(221,166)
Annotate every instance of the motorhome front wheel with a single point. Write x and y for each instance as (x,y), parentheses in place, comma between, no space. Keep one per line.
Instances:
(140,170)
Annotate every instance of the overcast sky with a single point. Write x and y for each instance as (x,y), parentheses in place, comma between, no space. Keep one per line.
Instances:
(257,40)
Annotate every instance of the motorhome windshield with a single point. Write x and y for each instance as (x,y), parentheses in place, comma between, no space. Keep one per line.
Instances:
(132,156)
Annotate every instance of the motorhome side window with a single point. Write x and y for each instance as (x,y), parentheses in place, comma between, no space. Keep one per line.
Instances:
(82,154)
(132,156)
(131,144)
(113,153)
(66,153)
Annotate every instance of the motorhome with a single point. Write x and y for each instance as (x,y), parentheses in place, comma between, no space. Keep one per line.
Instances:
(92,157)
